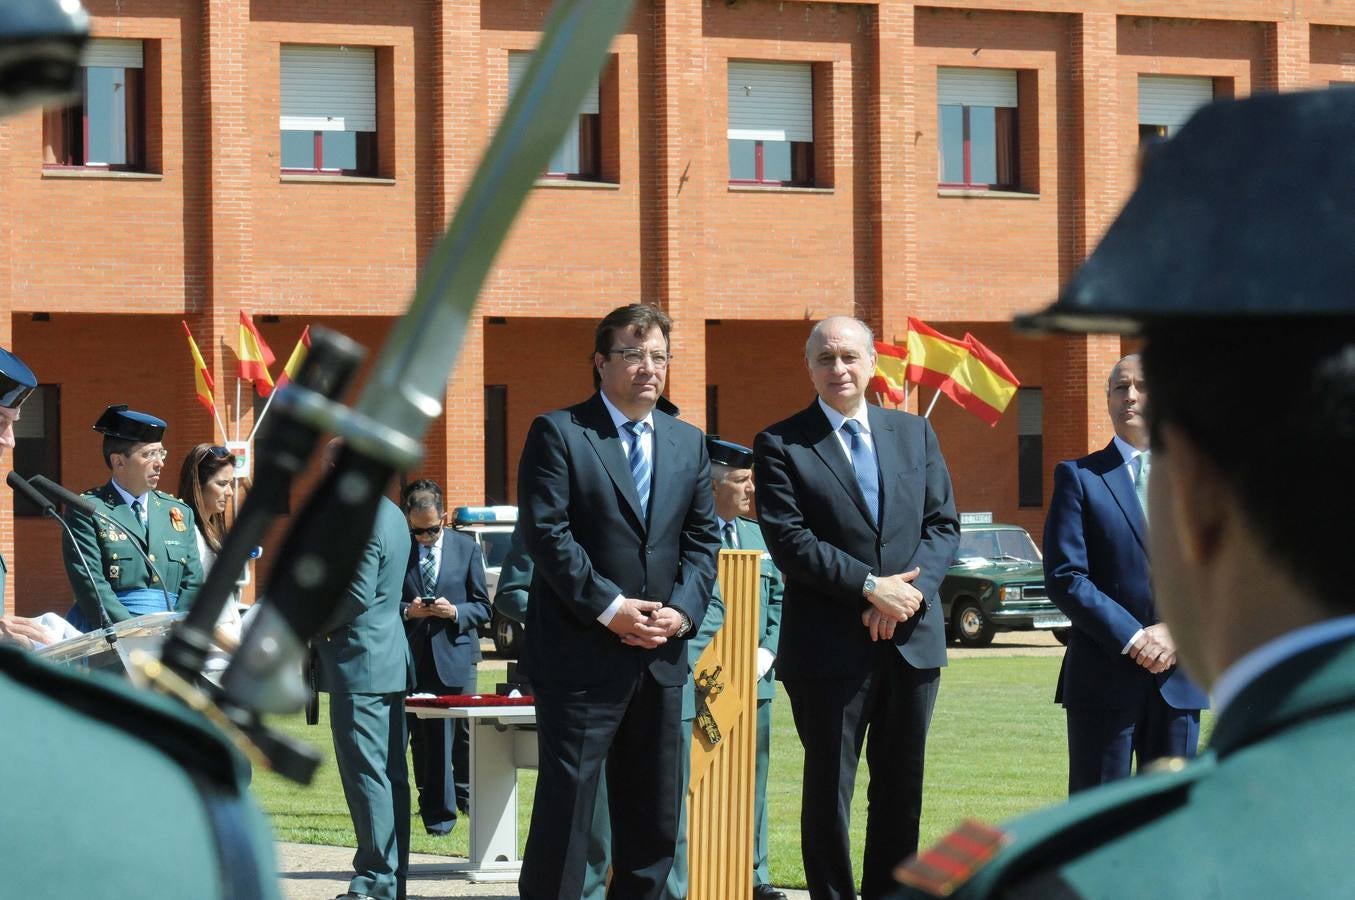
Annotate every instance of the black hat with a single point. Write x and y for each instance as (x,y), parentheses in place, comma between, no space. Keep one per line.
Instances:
(130,425)
(728,453)
(16,380)
(1247,213)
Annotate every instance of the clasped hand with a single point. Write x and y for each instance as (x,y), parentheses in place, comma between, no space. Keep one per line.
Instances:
(1154,650)
(894,600)
(644,623)
(441,608)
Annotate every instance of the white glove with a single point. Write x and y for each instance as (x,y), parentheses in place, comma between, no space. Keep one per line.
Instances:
(765,658)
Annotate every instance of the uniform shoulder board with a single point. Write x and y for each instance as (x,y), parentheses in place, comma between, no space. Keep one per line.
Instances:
(953,860)
(170,497)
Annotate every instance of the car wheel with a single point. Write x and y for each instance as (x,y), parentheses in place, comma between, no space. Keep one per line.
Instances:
(970,625)
(1061,635)
(507,636)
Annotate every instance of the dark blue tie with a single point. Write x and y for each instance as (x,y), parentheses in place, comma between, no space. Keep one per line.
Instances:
(867,472)
(639,465)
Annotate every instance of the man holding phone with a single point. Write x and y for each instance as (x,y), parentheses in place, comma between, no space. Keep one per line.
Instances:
(443,602)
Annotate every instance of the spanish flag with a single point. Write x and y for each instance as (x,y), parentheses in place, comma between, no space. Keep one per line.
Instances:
(298,355)
(986,384)
(202,377)
(934,358)
(255,357)
(891,370)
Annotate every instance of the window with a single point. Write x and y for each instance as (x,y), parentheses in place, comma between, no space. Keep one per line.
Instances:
(1166,102)
(771,123)
(712,410)
(977,127)
(107,128)
(579,155)
(328,109)
(37,441)
(1030,446)
(496,443)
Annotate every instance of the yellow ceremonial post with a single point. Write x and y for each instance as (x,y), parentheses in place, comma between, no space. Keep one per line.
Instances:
(720,815)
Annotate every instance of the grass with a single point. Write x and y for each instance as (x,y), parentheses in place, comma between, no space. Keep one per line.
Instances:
(996,749)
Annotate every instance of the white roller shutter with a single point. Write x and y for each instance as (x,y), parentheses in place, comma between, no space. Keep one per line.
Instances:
(518,60)
(771,101)
(1172,99)
(112,53)
(328,88)
(975,87)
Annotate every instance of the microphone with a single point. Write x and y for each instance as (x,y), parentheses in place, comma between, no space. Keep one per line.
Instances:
(81,505)
(16,481)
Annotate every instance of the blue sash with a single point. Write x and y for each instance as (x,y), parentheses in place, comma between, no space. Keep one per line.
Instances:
(138,601)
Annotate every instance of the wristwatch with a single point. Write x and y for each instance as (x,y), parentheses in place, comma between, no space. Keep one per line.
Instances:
(686,625)
(869,587)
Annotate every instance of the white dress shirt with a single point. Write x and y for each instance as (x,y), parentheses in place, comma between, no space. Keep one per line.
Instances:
(647,448)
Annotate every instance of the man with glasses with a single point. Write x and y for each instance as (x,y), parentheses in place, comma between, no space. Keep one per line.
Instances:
(444,602)
(616,513)
(131,518)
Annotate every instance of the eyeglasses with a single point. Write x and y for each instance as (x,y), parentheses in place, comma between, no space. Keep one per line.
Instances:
(160,454)
(634,356)
(425,532)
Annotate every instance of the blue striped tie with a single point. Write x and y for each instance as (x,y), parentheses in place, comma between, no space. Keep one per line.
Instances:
(867,472)
(639,464)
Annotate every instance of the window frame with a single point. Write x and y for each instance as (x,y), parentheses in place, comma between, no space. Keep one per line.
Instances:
(367,144)
(587,129)
(65,127)
(1013,153)
(802,170)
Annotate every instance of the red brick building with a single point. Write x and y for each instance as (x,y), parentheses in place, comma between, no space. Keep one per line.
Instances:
(296,159)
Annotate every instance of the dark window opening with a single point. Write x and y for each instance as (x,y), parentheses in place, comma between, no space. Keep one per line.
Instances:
(37,441)
(496,444)
(1030,447)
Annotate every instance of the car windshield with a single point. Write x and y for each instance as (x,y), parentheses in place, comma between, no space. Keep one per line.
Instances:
(496,544)
(1001,543)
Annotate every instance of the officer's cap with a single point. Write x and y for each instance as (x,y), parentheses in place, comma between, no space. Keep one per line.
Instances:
(129,425)
(728,453)
(1249,212)
(16,380)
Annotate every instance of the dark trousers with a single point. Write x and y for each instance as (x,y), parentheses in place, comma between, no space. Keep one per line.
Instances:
(440,749)
(1101,742)
(633,727)
(894,704)
(369,751)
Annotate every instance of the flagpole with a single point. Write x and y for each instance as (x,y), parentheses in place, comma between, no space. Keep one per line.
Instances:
(237,408)
(928,413)
(259,421)
(225,435)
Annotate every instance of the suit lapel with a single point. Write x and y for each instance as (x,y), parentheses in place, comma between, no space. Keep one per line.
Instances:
(447,567)
(829,449)
(1115,474)
(413,580)
(601,433)
(889,457)
(665,451)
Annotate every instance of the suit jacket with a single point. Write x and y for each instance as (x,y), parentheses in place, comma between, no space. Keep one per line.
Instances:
(453,645)
(169,539)
(366,651)
(1096,571)
(1223,826)
(771,589)
(579,516)
(821,536)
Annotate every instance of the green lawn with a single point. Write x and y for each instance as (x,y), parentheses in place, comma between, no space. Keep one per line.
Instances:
(996,749)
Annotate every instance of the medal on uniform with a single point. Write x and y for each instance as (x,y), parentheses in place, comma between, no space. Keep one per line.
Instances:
(176,519)
(114,571)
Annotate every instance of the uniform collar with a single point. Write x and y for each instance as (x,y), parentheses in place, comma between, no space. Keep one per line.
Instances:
(128,498)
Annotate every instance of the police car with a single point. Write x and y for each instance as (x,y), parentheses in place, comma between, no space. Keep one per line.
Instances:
(492,529)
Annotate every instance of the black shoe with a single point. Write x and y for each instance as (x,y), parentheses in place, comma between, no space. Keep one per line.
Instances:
(352,896)
(767,892)
(440,831)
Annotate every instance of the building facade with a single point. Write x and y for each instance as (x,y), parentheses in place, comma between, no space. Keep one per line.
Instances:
(750,165)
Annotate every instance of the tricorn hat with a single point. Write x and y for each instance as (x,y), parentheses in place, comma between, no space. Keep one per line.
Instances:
(16,380)
(129,425)
(1249,212)
(728,453)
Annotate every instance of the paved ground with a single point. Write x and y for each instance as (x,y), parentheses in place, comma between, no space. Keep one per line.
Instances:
(313,872)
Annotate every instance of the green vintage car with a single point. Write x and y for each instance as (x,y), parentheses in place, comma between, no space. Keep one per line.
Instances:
(997,584)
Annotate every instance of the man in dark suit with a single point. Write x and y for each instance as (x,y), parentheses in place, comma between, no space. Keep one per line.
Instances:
(1119,684)
(855,504)
(365,667)
(444,603)
(615,511)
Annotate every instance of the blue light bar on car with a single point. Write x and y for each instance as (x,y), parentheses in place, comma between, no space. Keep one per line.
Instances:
(470,515)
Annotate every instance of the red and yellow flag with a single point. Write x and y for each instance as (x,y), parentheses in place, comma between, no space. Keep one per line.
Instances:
(934,358)
(986,384)
(298,355)
(255,357)
(202,377)
(891,371)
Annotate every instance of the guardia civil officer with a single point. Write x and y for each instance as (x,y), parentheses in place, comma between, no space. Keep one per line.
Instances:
(1233,257)
(131,518)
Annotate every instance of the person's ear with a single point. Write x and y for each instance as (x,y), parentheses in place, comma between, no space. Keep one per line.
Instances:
(1200,499)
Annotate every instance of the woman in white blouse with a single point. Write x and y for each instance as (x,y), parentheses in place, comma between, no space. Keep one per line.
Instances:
(207,484)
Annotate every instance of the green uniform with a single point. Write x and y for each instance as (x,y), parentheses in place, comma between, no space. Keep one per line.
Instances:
(121,793)
(107,541)
(1268,811)
(769,634)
